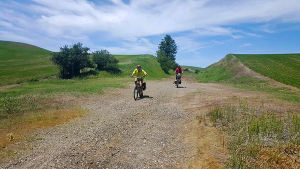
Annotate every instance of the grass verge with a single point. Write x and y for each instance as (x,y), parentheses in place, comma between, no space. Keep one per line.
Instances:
(254,84)
(259,139)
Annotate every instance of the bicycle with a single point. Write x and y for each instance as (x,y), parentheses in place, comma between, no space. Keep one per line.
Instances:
(137,88)
(178,80)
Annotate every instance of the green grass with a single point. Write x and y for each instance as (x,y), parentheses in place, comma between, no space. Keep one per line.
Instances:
(218,72)
(21,62)
(191,69)
(258,139)
(283,68)
(225,70)
(149,63)
(254,84)
(37,95)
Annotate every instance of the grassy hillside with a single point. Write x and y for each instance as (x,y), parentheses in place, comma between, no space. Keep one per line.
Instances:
(149,63)
(34,95)
(220,71)
(191,68)
(230,71)
(283,68)
(21,62)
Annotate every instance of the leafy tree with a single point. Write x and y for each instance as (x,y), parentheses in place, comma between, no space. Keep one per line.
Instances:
(105,61)
(197,71)
(166,54)
(169,46)
(72,60)
(186,70)
(165,63)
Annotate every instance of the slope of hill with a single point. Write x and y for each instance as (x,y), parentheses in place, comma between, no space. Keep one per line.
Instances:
(21,62)
(284,68)
(191,68)
(149,63)
(220,71)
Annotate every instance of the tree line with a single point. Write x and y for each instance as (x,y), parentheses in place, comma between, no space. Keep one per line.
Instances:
(72,60)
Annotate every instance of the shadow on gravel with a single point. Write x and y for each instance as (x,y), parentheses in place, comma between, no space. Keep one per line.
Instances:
(146,97)
(181,87)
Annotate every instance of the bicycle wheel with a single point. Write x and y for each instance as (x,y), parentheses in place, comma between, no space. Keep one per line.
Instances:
(135,93)
(177,83)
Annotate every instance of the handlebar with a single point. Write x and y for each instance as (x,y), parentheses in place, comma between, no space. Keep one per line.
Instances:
(138,77)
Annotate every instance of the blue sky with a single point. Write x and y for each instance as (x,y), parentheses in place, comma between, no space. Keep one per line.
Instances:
(204,30)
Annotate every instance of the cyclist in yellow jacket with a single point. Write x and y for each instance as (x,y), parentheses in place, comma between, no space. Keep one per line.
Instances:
(139,72)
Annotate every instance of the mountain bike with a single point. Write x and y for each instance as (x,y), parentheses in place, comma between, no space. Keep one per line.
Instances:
(178,80)
(137,89)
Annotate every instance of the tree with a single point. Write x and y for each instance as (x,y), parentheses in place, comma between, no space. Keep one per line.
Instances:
(166,54)
(197,71)
(72,60)
(105,61)
(169,46)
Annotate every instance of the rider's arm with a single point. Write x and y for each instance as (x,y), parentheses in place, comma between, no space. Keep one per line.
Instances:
(145,74)
(133,72)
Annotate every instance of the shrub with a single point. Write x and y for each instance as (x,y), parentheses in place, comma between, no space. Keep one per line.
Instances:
(72,60)
(106,62)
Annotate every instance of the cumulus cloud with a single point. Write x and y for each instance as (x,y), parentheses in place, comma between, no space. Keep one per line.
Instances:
(138,19)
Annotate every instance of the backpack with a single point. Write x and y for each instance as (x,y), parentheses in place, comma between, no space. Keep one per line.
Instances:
(144,85)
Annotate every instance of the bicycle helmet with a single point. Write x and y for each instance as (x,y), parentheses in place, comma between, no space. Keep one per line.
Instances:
(139,66)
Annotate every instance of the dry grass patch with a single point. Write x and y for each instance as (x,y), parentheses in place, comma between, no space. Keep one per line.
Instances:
(23,127)
(284,157)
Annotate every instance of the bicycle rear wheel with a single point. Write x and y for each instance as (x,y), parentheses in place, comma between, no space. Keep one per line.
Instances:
(135,93)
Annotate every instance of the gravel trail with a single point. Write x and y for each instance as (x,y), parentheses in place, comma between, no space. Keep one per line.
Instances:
(118,132)
(158,131)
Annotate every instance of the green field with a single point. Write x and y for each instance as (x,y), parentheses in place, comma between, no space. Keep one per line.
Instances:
(223,70)
(21,62)
(191,68)
(283,68)
(149,63)
(226,69)
(25,63)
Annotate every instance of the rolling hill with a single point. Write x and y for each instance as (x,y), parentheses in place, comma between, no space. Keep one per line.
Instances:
(128,63)
(20,62)
(283,68)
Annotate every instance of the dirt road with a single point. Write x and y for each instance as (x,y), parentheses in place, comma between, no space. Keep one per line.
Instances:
(158,131)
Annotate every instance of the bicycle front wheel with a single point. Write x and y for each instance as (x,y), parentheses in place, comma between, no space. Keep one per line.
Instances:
(135,93)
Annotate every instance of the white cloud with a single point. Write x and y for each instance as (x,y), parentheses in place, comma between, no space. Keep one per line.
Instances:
(141,18)
(188,44)
(266,28)
(65,20)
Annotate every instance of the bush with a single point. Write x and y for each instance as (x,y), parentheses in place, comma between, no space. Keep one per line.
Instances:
(165,63)
(72,60)
(197,71)
(106,62)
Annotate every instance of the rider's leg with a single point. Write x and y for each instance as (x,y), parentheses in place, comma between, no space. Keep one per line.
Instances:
(135,81)
(141,85)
